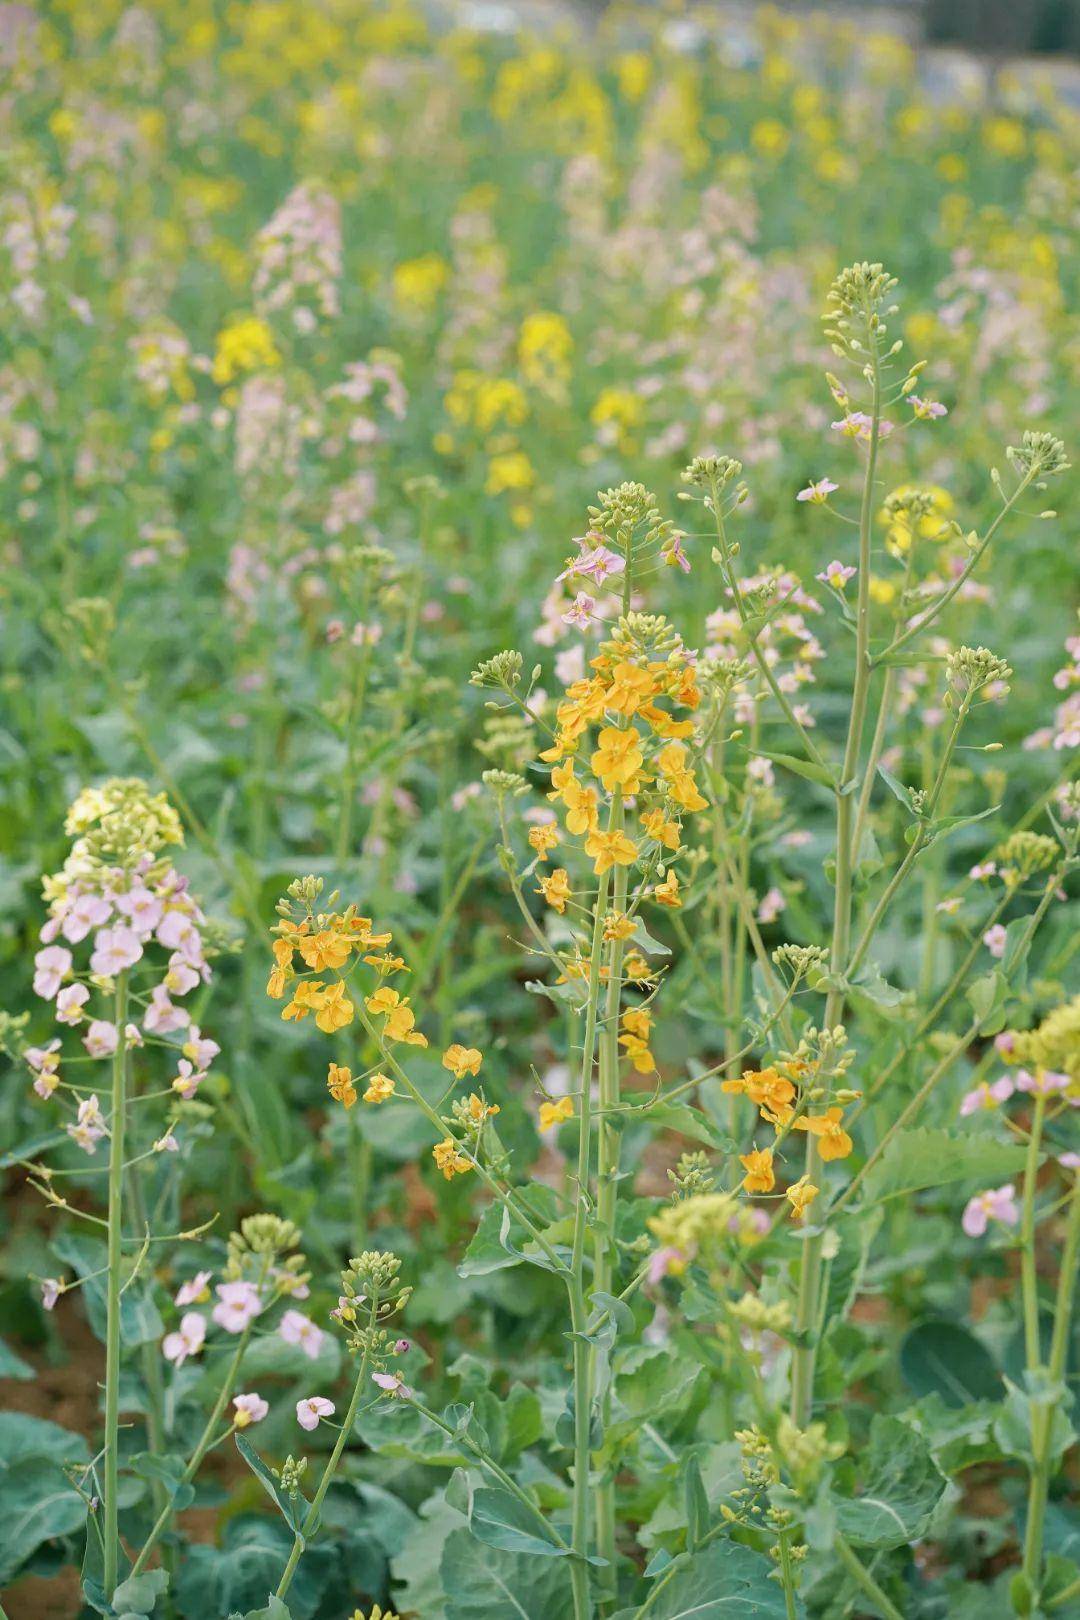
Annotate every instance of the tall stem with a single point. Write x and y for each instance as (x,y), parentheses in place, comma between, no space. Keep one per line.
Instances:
(117,1122)
(312,1515)
(802,1372)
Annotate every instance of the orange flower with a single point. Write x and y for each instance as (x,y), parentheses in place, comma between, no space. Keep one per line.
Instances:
(449,1160)
(658,827)
(339,1083)
(667,893)
(769,1090)
(399,1025)
(759,1176)
(479,1110)
(631,686)
(618,758)
(681,785)
(544,838)
(581,809)
(334,1010)
(325,950)
(833,1141)
(556,889)
(383,1000)
(306,997)
(800,1195)
(462,1060)
(610,849)
(379,1088)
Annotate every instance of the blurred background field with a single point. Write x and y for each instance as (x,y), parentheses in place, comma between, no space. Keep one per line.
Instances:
(322,323)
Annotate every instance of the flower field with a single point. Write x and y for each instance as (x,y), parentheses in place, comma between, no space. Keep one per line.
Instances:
(539,1011)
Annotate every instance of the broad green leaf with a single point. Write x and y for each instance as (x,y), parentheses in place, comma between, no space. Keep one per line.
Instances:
(290,1510)
(487,1583)
(801,767)
(23,1437)
(140,1320)
(500,1520)
(416,1568)
(139,1593)
(900,1486)
(943,1358)
(930,1157)
(13,1366)
(36,1504)
(245,1569)
(723,1581)
(274,1610)
(487,1252)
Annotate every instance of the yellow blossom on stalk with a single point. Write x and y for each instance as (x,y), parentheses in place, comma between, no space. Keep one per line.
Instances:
(658,827)
(617,925)
(631,686)
(679,778)
(449,1159)
(636,1026)
(280,972)
(479,1110)
(383,1000)
(307,997)
(246,344)
(339,1083)
(800,1195)
(544,838)
(618,758)
(462,1060)
(554,1113)
(833,1141)
(618,414)
(510,470)
(379,1088)
(667,893)
(636,969)
(771,1092)
(334,1009)
(544,350)
(609,849)
(758,1165)
(326,949)
(399,1025)
(555,889)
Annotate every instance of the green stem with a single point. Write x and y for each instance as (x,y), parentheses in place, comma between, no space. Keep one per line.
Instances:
(863,1578)
(117,1122)
(1028,1273)
(788,1576)
(162,1521)
(311,1517)
(802,1369)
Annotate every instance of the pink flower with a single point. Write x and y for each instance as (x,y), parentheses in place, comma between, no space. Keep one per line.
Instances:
(995,940)
(596,562)
(1005,1043)
(177,932)
(836,575)
(181,976)
(86,911)
(997,1204)
(771,906)
(662,1260)
(161,1017)
(309,1411)
(44,1061)
(51,1289)
(114,950)
(50,967)
(142,909)
(982,870)
(1069,1161)
(402,1347)
(987,1096)
(89,1125)
(674,555)
(579,612)
(857,425)
(249,1409)
(926,409)
(296,1328)
(238,1304)
(199,1048)
(1043,1083)
(818,492)
(188,1339)
(101,1039)
(167,1144)
(188,1081)
(194,1291)
(393,1385)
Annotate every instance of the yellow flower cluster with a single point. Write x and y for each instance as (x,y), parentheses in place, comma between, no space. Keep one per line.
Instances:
(777,1099)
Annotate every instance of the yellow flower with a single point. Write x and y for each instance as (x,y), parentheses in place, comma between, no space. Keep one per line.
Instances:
(631,686)
(379,1088)
(617,925)
(544,838)
(667,893)
(800,1195)
(759,1176)
(553,1113)
(339,1083)
(417,283)
(769,137)
(462,1060)
(556,889)
(658,827)
(335,1010)
(479,1110)
(449,1160)
(771,1092)
(833,1141)
(509,470)
(324,950)
(618,758)
(639,1054)
(610,849)
(383,1000)
(245,344)
(681,785)
(399,1025)
(306,997)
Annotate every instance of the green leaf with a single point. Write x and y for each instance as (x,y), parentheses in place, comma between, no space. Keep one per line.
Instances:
(36,1504)
(940,1357)
(140,1320)
(138,1594)
(416,1568)
(901,1487)
(930,1157)
(500,1520)
(896,788)
(487,1252)
(801,767)
(248,1564)
(487,1583)
(23,1437)
(290,1510)
(724,1581)
(274,1610)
